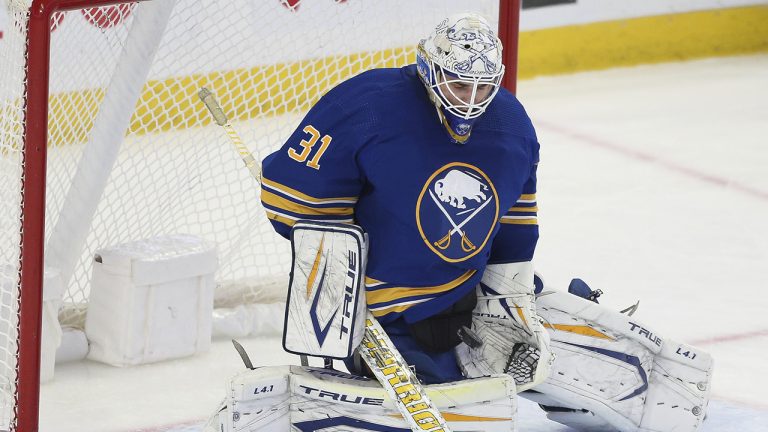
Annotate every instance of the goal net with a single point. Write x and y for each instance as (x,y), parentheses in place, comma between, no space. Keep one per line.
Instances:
(127,151)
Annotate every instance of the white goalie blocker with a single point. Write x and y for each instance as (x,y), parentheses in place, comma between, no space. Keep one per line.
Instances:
(325,310)
(613,373)
(296,398)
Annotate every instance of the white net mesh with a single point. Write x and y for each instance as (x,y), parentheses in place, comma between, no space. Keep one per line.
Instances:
(175,175)
(132,154)
(12,84)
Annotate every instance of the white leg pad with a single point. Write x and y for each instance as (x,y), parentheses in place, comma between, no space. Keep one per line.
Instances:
(623,373)
(679,388)
(294,398)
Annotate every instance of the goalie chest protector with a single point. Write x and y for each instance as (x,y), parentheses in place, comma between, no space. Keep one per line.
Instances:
(325,309)
(436,212)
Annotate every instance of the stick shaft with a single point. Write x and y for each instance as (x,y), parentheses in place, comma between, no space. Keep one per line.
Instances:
(220,117)
(399,381)
(250,162)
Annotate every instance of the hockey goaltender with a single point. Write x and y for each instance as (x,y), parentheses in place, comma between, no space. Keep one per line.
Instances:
(409,196)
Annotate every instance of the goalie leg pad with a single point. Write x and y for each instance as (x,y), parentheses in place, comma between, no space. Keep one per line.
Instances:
(289,398)
(325,310)
(624,374)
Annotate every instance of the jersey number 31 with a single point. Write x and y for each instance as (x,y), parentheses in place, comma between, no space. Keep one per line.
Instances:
(308,144)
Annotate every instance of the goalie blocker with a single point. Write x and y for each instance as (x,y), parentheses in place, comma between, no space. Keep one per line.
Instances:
(325,309)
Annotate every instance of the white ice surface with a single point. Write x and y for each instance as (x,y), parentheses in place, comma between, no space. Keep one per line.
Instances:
(653,185)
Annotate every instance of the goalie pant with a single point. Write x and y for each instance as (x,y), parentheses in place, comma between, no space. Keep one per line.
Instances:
(306,399)
(612,372)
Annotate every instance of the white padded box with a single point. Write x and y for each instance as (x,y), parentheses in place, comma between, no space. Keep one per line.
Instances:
(151,300)
(53,288)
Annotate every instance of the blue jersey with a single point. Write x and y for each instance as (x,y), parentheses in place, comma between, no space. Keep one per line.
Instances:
(372,152)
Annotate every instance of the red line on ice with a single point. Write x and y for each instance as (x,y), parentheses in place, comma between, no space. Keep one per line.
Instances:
(651,158)
(172,426)
(730,338)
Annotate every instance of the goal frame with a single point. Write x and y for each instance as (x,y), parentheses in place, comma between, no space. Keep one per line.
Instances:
(33,193)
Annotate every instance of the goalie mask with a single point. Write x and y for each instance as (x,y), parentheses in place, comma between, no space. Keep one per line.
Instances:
(460,64)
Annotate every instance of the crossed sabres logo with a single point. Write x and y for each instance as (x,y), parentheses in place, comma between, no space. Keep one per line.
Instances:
(457,210)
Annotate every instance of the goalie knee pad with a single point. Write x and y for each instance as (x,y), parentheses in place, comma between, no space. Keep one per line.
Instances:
(614,373)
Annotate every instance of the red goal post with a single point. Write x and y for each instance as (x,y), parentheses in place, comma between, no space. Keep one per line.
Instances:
(40,107)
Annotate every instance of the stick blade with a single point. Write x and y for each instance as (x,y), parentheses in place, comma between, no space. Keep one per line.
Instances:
(243,355)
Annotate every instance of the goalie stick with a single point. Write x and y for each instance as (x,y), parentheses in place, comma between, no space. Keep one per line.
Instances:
(206,96)
(376,349)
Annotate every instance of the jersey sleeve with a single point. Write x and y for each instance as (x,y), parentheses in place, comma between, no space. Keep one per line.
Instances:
(315,174)
(519,226)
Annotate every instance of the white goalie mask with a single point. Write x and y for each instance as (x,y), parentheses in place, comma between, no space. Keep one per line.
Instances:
(460,64)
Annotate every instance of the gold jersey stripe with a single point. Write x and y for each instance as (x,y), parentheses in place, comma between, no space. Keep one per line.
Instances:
(399,307)
(369,281)
(285,204)
(524,209)
(304,197)
(390,294)
(280,218)
(533,221)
